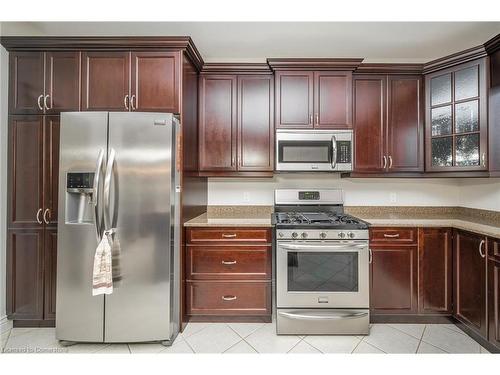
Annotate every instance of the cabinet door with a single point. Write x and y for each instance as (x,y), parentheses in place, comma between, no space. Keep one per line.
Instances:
(51,169)
(470,282)
(393,280)
(25,171)
(26,82)
(62,81)
(105,80)
(50,273)
(405,132)
(294,99)
(332,100)
(25,274)
(435,271)
(494,291)
(369,123)
(155,81)
(255,123)
(218,123)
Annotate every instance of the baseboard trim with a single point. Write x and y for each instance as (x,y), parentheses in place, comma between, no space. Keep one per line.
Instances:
(5,325)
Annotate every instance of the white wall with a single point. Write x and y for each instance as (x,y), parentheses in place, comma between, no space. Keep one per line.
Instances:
(362,192)
(480,193)
(3,179)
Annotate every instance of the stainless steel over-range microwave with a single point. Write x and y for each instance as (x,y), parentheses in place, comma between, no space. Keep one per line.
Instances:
(314,150)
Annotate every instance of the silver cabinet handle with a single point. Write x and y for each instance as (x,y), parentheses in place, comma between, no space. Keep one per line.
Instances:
(310,119)
(107,189)
(317,119)
(125,102)
(133,100)
(232,235)
(45,99)
(39,221)
(334,151)
(228,262)
(483,159)
(370,256)
(312,315)
(39,101)
(481,249)
(390,161)
(45,219)
(384,158)
(229,298)
(391,235)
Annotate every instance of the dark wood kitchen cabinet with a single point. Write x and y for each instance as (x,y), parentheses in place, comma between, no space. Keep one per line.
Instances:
(388,123)
(44,82)
(228,274)
(494,291)
(313,99)
(393,272)
(435,271)
(236,124)
(50,273)
(131,81)
(470,264)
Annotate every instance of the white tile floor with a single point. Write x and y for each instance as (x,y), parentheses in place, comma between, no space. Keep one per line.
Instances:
(261,338)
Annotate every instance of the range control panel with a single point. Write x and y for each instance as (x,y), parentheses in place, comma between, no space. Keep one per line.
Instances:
(79,181)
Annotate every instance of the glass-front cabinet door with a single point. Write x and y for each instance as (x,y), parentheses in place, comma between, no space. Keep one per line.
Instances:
(456,126)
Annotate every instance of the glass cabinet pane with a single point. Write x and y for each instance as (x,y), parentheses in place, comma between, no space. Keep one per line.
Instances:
(441,89)
(467,83)
(441,120)
(467,150)
(442,152)
(466,118)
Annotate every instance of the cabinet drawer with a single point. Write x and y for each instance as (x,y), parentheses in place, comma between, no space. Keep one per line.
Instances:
(393,234)
(229,235)
(228,262)
(228,298)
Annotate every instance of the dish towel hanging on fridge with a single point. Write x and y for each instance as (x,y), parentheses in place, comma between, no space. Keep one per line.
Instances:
(102,278)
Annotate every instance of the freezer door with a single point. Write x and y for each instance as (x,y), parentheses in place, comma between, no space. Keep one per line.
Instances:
(139,201)
(79,315)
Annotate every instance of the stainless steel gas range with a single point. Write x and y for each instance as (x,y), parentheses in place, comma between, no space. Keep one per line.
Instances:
(322,262)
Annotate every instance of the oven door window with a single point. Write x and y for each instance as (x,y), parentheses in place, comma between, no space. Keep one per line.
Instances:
(322,271)
(305,152)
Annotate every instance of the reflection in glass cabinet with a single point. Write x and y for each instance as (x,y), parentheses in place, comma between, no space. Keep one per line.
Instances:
(442,151)
(467,150)
(441,120)
(466,117)
(467,83)
(441,89)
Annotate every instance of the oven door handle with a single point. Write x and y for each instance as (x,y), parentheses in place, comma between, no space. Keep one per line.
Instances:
(323,247)
(334,152)
(322,316)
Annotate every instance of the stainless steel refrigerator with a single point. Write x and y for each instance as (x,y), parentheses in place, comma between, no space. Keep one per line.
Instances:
(119,170)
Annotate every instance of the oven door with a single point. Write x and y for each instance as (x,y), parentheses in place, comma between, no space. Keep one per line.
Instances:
(322,274)
(313,150)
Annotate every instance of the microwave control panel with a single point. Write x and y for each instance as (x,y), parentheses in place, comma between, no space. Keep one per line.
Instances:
(344,154)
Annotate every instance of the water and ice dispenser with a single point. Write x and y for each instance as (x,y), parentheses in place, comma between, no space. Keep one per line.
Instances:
(79,197)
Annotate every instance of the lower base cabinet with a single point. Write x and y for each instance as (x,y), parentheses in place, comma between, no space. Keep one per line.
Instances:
(494,292)
(228,274)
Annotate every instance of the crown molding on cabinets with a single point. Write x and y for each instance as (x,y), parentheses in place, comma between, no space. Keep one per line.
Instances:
(314,63)
(236,68)
(67,43)
(492,45)
(390,68)
(461,57)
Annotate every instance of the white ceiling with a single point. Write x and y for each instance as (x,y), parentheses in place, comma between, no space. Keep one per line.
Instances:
(255,41)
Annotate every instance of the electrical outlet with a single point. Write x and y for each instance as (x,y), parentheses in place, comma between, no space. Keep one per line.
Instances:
(246,197)
(393,197)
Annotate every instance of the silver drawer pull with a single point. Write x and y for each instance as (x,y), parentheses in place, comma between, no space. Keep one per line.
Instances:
(391,235)
(228,262)
(229,298)
(232,235)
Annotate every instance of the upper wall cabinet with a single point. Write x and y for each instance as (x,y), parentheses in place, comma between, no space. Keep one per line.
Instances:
(44,82)
(320,99)
(236,124)
(388,125)
(131,81)
(456,118)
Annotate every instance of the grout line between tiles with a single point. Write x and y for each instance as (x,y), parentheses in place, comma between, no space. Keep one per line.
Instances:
(300,340)
(251,346)
(406,333)
(458,330)
(242,337)
(233,345)
(188,344)
(359,342)
(420,341)
(428,343)
(308,343)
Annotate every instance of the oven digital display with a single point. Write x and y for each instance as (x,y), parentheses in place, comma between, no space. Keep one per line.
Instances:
(308,195)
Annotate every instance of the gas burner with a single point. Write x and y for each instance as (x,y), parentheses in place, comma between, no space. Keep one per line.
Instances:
(323,219)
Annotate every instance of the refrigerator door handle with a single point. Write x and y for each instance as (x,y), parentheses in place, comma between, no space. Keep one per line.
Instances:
(107,189)
(95,194)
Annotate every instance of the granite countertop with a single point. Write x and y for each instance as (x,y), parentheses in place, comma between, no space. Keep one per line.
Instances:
(233,216)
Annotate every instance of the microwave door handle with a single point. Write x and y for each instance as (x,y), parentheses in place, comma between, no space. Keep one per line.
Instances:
(334,152)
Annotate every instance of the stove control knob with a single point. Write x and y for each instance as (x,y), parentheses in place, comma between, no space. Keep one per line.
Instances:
(295,235)
(341,235)
(280,234)
(350,235)
(304,235)
(322,235)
